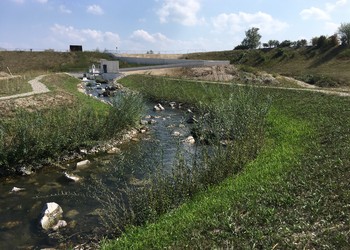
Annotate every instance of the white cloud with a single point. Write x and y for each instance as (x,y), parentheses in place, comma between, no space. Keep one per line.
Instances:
(322,13)
(315,13)
(64,9)
(180,11)
(95,9)
(42,1)
(90,37)
(147,37)
(332,6)
(331,27)
(237,22)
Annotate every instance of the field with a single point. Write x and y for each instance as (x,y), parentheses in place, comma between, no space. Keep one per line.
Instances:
(294,195)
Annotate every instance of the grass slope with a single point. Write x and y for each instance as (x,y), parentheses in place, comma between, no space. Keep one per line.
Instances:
(20,61)
(293,196)
(332,64)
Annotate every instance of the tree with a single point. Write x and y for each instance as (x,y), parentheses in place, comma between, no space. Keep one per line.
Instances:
(285,43)
(322,42)
(273,43)
(333,41)
(252,39)
(301,43)
(344,32)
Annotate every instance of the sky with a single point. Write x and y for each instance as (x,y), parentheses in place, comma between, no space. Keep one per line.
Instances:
(163,26)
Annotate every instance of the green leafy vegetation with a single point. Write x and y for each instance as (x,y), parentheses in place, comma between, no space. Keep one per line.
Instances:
(46,134)
(294,195)
(232,124)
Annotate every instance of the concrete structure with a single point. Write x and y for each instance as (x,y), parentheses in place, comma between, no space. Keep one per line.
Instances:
(160,63)
(109,69)
(167,63)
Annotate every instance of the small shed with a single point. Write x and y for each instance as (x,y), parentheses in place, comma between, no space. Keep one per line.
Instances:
(75,48)
(108,67)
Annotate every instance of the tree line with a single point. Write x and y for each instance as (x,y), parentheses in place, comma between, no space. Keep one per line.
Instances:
(252,40)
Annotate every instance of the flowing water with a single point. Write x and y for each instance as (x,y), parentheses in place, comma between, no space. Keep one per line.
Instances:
(20,211)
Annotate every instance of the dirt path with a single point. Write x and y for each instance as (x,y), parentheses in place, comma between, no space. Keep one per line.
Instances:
(37,86)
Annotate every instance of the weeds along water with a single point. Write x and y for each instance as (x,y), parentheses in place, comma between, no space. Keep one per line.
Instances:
(230,132)
(44,135)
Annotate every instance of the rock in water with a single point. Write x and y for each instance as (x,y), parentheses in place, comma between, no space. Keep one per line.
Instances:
(72,177)
(52,213)
(189,140)
(17,189)
(158,107)
(60,224)
(83,163)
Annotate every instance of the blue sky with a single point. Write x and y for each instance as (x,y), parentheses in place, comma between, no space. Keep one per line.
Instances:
(165,26)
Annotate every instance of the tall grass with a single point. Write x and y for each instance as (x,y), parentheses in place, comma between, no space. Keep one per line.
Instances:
(45,135)
(234,115)
(16,84)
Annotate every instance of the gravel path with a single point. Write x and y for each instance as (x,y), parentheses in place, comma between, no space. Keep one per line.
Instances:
(37,86)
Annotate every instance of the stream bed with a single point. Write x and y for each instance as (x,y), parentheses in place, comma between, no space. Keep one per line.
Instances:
(20,212)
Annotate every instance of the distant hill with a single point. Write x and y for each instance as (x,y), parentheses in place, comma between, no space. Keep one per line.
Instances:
(323,67)
(21,61)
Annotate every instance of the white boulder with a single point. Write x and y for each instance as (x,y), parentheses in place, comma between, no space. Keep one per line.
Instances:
(52,214)
(83,163)
(189,140)
(71,177)
(158,107)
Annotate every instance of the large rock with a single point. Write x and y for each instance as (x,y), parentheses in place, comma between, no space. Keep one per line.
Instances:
(52,214)
(83,164)
(189,140)
(71,177)
(158,107)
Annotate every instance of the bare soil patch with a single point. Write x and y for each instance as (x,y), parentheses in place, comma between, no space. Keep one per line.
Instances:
(218,73)
(35,102)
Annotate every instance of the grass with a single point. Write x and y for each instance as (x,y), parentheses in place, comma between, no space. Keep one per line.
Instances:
(332,64)
(293,196)
(12,86)
(47,133)
(234,115)
(63,83)
(48,61)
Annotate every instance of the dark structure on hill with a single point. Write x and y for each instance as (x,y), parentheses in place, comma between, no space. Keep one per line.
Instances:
(75,48)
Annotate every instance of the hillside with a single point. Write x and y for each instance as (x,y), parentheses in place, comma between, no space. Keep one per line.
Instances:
(322,67)
(20,61)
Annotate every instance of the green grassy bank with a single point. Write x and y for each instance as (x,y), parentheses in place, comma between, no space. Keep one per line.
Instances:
(30,138)
(324,67)
(293,196)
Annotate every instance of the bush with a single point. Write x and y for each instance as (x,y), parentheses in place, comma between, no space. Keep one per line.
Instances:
(125,112)
(319,80)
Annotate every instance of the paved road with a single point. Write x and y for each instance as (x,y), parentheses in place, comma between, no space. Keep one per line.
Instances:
(37,86)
